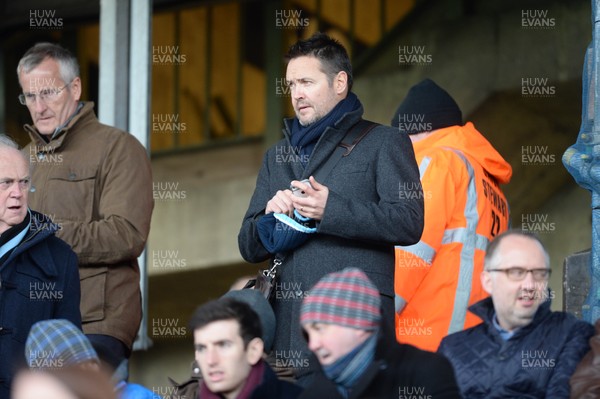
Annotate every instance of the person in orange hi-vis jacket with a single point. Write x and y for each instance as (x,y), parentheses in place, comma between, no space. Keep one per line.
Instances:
(437,279)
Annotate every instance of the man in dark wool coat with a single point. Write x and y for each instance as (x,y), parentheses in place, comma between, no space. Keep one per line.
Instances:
(320,211)
(39,278)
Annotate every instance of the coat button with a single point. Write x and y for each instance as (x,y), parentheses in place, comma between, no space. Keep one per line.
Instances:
(72,176)
(41,155)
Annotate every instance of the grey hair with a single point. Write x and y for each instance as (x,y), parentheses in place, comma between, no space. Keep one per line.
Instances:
(492,255)
(6,141)
(68,65)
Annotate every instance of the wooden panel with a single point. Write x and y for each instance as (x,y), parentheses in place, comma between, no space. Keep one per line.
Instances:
(162,107)
(337,13)
(395,10)
(192,82)
(224,69)
(367,26)
(254,101)
(88,39)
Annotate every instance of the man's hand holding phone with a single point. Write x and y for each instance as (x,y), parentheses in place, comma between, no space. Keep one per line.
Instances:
(309,197)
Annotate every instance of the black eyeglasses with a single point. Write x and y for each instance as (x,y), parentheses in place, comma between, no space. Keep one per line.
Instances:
(45,95)
(519,273)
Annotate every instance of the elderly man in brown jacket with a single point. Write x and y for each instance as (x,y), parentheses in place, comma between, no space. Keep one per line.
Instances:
(95,181)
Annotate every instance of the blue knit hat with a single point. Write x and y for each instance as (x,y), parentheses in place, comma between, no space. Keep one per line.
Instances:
(347,298)
(263,309)
(57,343)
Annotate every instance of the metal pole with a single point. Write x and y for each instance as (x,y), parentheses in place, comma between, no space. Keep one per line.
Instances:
(114,62)
(582,159)
(139,120)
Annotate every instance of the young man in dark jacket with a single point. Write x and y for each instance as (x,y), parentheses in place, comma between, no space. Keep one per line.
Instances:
(229,350)
(359,359)
(522,349)
(355,213)
(39,278)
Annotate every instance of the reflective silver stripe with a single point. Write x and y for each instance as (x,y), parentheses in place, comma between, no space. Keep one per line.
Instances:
(470,241)
(421,250)
(423,166)
(458,236)
(399,304)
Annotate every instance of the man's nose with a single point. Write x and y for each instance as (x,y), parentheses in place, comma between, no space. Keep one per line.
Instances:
(39,105)
(15,190)
(528,282)
(314,343)
(297,92)
(212,356)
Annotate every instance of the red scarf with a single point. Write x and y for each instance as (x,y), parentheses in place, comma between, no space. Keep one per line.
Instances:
(254,379)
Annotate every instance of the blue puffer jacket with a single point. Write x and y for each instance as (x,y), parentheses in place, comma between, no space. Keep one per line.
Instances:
(38,281)
(536,362)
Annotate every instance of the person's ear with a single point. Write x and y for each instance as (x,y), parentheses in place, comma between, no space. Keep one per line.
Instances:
(340,82)
(254,351)
(486,281)
(75,88)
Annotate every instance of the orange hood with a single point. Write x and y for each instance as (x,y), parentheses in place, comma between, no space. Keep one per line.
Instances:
(469,141)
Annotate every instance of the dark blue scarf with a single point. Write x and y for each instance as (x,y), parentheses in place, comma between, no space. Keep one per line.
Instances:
(347,370)
(305,137)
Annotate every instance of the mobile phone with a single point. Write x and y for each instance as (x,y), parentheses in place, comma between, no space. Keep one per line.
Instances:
(297,191)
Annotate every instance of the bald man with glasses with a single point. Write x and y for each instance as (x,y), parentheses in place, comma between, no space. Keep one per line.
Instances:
(522,348)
